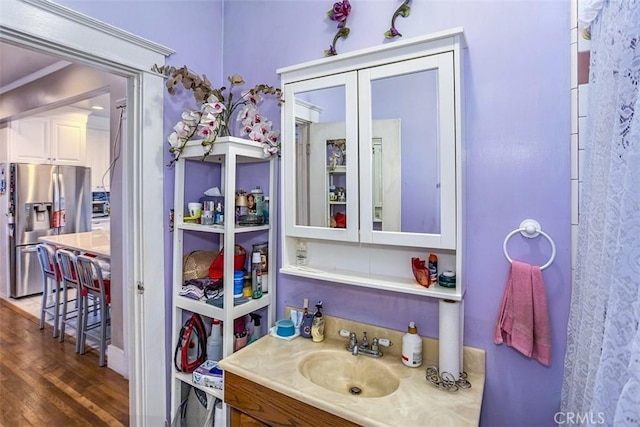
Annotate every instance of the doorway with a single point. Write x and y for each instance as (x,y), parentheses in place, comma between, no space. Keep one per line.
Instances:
(79,38)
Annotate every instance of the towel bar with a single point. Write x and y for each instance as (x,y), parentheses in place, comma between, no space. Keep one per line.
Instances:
(530,228)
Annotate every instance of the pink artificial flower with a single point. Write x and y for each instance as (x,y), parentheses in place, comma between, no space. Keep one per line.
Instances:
(340,12)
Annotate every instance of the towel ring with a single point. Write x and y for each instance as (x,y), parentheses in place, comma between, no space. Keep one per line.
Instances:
(530,228)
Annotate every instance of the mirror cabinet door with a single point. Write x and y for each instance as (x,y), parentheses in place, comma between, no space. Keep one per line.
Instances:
(321,161)
(407,156)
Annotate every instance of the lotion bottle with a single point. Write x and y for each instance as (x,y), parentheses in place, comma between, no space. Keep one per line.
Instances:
(412,347)
(317,328)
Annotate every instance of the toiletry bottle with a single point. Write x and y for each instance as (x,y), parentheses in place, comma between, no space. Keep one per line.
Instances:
(214,342)
(256,275)
(301,253)
(317,329)
(433,269)
(307,321)
(412,347)
(258,200)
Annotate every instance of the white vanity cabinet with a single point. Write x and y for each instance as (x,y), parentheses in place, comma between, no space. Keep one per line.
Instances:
(373,177)
(53,139)
(223,168)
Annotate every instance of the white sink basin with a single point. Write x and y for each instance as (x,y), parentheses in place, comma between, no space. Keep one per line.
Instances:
(343,373)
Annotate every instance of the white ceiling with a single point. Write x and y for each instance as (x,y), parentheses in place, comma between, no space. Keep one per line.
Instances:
(19,66)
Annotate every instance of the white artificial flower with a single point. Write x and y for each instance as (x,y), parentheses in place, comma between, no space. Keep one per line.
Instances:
(272,136)
(174,140)
(256,136)
(247,113)
(269,150)
(212,108)
(253,98)
(191,117)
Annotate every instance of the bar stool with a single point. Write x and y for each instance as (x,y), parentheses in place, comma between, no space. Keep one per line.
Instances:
(50,271)
(67,264)
(93,284)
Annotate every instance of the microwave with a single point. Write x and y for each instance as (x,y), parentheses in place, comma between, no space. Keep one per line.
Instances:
(100,208)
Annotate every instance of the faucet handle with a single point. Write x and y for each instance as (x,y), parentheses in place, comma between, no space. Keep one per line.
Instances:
(384,342)
(344,333)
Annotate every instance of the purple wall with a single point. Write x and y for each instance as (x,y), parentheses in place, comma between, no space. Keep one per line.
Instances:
(516,153)
(516,160)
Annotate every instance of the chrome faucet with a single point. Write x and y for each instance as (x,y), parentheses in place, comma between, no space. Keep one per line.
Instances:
(363,347)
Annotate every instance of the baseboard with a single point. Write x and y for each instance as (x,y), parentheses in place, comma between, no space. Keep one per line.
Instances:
(117,361)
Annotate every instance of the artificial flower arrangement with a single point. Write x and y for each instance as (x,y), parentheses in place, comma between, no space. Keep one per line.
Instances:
(339,13)
(403,11)
(217,107)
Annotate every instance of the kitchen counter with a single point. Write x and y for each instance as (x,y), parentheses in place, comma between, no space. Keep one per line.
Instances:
(94,242)
(273,363)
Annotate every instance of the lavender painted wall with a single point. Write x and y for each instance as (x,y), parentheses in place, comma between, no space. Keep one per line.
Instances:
(516,153)
(516,164)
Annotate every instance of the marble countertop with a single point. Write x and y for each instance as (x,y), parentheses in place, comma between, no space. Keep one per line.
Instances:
(273,363)
(95,242)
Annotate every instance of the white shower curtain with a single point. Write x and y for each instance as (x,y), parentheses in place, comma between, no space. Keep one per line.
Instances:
(602,364)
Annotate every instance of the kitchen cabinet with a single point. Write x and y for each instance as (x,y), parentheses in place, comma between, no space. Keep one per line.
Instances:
(231,162)
(98,158)
(387,135)
(53,139)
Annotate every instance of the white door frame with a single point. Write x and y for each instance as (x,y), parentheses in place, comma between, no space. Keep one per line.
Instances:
(51,28)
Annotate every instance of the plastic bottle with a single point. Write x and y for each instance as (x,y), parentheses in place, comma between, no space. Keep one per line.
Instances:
(214,342)
(238,283)
(301,253)
(433,269)
(255,319)
(256,275)
(317,327)
(265,209)
(259,200)
(307,321)
(412,347)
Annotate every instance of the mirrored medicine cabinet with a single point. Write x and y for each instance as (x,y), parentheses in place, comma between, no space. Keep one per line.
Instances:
(371,154)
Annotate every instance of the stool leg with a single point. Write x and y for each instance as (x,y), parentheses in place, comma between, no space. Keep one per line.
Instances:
(63,315)
(43,306)
(103,333)
(56,309)
(80,304)
(83,329)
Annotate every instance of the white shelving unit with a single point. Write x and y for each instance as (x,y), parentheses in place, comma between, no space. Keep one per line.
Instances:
(230,154)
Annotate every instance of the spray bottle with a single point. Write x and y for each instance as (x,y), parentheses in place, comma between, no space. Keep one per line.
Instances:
(255,319)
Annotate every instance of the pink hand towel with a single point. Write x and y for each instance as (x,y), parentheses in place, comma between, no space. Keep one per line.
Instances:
(523,320)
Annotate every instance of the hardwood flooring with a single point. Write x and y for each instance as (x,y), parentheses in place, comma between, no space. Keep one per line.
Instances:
(44,382)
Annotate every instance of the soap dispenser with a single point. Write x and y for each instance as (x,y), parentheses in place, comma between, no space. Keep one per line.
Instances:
(317,329)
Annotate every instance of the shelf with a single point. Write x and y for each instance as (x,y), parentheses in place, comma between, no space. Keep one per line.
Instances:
(387,283)
(226,158)
(220,228)
(188,378)
(214,312)
(338,169)
(246,150)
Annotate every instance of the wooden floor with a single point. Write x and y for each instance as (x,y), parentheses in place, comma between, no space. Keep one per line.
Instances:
(44,382)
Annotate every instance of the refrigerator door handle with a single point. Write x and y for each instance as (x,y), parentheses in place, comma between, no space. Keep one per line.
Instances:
(59,217)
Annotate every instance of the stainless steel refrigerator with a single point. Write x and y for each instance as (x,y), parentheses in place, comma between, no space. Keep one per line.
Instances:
(44,200)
